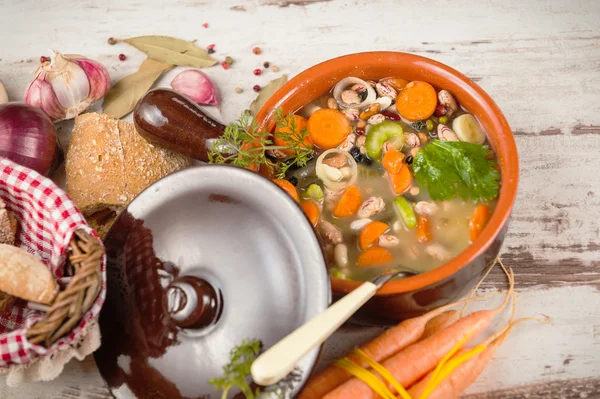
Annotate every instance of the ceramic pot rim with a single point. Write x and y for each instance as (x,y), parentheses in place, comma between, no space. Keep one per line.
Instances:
(498,131)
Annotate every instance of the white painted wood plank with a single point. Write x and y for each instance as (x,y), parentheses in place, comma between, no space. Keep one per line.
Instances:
(539,60)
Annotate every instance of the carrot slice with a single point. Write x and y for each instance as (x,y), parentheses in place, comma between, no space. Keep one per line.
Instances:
(311,210)
(370,233)
(396,83)
(423,229)
(288,188)
(393,161)
(478,220)
(349,203)
(289,139)
(401,181)
(375,256)
(417,101)
(327,128)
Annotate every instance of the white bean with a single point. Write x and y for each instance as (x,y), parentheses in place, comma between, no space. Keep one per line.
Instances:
(340,254)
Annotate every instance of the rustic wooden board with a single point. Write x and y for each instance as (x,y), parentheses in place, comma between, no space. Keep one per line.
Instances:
(539,60)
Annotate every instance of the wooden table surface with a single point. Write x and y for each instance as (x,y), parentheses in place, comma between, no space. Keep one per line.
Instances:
(539,60)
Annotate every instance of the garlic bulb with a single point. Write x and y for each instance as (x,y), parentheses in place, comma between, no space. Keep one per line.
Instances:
(67,85)
(3,95)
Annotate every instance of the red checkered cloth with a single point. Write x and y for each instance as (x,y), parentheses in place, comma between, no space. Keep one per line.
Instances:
(47,220)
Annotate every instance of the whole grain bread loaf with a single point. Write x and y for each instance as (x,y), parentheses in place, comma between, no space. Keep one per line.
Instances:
(108,163)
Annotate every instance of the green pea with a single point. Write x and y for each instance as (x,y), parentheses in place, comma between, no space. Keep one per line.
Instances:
(443,120)
(429,125)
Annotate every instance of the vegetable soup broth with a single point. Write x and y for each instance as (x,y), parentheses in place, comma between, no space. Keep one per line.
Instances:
(449,224)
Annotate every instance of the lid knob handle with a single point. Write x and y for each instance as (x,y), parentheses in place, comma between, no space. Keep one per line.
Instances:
(192,302)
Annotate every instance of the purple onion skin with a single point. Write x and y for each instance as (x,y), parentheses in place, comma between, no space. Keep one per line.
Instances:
(27,137)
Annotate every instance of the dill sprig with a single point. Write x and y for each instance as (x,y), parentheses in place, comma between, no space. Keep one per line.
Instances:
(243,144)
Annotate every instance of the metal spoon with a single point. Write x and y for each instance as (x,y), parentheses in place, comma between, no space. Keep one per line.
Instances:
(279,360)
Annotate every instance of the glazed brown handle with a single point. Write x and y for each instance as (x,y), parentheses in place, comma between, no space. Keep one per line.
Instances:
(170,120)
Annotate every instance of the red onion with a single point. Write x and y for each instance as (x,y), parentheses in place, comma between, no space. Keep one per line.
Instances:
(27,137)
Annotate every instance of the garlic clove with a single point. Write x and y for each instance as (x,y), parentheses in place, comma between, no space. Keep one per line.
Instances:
(197,86)
(40,94)
(97,75)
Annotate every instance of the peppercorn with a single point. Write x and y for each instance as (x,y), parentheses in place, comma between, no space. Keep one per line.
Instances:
(256,88)
(266,64)
(111,41)
(211,46)
(44,59)
(274,68)
(443,119)
(256,50)
(122,57)
(205,24)
(429,125)
(257,72)
(239,90)
(409,160)
(210,51)
(225,65)
(229,60)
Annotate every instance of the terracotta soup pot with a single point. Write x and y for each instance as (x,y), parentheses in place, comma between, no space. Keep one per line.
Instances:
(412,296)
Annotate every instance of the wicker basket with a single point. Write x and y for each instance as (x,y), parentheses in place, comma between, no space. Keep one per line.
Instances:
(84,267)
(52,229)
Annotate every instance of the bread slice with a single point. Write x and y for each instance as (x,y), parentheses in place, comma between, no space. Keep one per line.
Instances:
(108,163)
(24,276)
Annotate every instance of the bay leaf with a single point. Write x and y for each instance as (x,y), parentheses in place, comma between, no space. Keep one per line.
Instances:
(124,95)
(172,51)
(265,93)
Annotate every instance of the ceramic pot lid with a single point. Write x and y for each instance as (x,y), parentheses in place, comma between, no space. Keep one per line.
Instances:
(198,262)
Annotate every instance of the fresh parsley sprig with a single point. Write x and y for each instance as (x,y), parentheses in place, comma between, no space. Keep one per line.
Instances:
(243,144)
(454,168)
(236,372)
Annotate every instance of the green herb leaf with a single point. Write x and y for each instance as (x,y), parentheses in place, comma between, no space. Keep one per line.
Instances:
(236,372)
(265,93)
(243,144)
(454,168)
(172,51)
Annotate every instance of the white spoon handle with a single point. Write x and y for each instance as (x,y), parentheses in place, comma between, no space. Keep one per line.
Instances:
(279,360)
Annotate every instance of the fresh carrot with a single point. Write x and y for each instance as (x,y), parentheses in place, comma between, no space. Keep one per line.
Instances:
(396,83)
(288,188)
(423,229)
(284,137)
(393,161)
(401,181)
(478,220)
(311,210)
(417,101)
(349,202)
(415,361)
(463,368)
(382,347)
(370,233)
(375,256)
(328,127)
(440,322)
